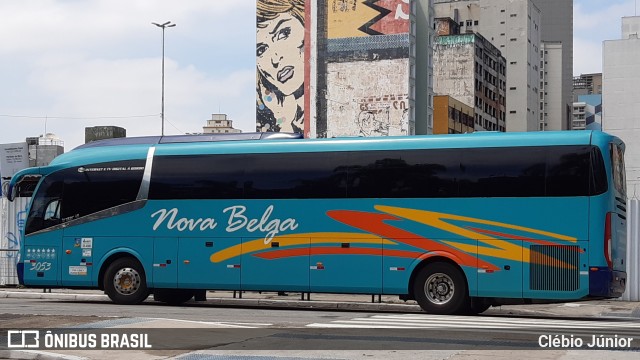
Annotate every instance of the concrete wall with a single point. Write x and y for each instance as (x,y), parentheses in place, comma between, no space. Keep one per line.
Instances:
(632,292)
(620,105)
(369,83)
(621,117)
(368,100)
(553,108)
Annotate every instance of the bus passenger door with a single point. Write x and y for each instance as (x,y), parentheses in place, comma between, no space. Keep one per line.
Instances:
(77,261)
(209,263)
(349,266)
(41,261)
(165,264)
(506,280)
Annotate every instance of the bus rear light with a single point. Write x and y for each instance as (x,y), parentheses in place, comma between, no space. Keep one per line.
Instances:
(607,240)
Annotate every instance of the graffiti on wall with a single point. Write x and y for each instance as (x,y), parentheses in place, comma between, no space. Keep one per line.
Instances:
(14,216)
(13,237)
(374,118)
(280,65)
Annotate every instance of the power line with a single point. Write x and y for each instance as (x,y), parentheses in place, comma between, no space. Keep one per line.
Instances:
(77,118)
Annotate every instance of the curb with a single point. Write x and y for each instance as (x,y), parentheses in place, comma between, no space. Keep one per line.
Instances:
(293,303)
(36,355)
(54,296)
(273,303)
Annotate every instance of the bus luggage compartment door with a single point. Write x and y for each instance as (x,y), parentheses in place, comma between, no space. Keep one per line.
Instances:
(209,263)
(506,280)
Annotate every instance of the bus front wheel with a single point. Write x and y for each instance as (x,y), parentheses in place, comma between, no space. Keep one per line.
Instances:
(440,288)
(125,282)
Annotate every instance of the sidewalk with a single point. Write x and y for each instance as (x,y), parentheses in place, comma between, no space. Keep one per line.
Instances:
(584,309)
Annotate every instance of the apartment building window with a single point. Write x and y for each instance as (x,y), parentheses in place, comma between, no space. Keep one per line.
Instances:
(513,15)
(512,88)
(469,23)
(502,10)
(476,23)
(513,39)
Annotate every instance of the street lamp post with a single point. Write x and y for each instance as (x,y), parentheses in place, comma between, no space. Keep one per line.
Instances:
(163,26)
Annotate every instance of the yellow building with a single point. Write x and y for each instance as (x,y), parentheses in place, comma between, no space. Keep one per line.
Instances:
(451,116)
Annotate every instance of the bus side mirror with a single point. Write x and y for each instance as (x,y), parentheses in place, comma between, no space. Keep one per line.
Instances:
(10,193)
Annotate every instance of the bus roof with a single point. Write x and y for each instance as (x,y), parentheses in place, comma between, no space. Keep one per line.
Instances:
(137,148)
(172,139)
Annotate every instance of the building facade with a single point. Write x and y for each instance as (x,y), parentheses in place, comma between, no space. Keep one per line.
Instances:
(513,26)
(552,111)
(43,149)
(344,67)
(587,84)
(620,94)
(587,113)
(557,29)
(219,124)
(469,68)
(103,132)
(451,116)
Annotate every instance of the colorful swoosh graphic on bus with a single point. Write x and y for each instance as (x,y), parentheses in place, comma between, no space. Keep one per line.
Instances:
(384,228)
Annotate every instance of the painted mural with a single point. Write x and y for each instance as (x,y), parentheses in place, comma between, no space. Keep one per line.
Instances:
(353,18)
(367,72)
(374,103)
(280,65)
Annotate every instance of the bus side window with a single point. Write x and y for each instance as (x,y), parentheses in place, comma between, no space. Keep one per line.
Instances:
(53,210)
(52,214)
(45,207)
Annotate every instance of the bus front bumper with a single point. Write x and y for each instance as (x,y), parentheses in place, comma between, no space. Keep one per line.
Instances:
(604,282)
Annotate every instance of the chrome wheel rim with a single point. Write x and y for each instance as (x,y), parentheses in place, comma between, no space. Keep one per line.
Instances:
(127,281)
(439,288)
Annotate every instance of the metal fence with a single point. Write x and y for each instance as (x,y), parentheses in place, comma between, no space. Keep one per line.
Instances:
(12,220)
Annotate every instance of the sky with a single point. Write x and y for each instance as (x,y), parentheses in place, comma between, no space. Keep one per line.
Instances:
(69,64)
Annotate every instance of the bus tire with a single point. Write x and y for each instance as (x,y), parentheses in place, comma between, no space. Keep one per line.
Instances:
(477,306)
(440,288)
(125,282)
(173,296)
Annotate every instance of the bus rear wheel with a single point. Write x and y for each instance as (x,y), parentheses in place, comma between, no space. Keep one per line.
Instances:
(125,282)
(440,288)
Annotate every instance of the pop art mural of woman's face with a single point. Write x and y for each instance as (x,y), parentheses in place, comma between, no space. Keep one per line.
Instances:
(280,53)
(280,65)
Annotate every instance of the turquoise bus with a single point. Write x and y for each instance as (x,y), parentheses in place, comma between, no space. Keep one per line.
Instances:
(459,223)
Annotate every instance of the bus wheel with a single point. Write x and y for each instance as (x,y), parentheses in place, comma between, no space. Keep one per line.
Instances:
(477,306)
(440,288)
(125,282)
(172,296)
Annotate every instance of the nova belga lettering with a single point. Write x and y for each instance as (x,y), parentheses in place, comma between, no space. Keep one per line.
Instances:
(236,220)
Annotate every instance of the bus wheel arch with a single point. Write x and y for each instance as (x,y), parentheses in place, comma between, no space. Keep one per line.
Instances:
(440,286)
(124,279)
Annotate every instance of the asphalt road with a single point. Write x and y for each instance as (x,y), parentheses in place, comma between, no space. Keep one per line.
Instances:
(206,331)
